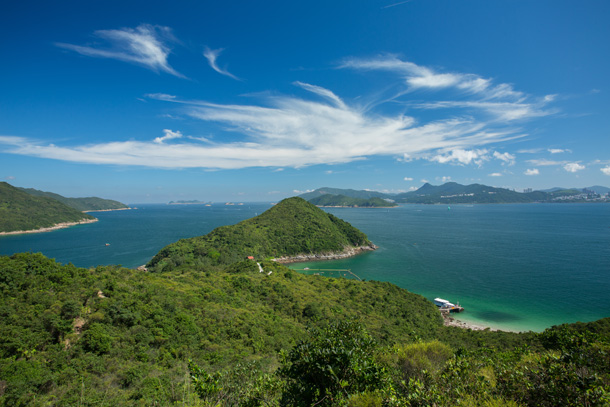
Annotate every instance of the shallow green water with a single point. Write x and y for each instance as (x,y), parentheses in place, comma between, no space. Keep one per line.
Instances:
(518,267)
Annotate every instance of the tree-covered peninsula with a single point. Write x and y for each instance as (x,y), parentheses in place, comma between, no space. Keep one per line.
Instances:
(331,200)
(20,211)
(82,204)
(208,327)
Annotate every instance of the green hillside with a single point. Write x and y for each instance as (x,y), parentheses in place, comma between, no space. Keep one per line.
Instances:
(342,200)
(213,329)
(81,204)
(22,211)
(292,227)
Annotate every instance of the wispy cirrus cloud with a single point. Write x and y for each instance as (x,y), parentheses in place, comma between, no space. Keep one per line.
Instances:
(145,45)
(319,128)
(499,100)
(212,55)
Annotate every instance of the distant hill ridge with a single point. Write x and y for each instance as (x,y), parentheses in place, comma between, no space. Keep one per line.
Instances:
(454,193)
(81,204)
(331,200)
(292,228)
(21,211)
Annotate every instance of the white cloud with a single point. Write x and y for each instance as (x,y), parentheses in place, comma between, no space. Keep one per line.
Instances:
(408,179)
(533,171)
(545,163)
(443,179)
(417,77)
(212,55)
(144,45)
(169,135)
(506,157)
(463,157)
(606,170)
(425,181)
(558,150)
(573,167)
(413,189)
(495,174)
(321,128)
(500,101)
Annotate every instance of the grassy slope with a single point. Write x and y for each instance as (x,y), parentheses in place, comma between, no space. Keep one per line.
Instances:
(22,211)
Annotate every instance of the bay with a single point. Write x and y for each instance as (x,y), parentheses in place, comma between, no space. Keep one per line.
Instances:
(513,267)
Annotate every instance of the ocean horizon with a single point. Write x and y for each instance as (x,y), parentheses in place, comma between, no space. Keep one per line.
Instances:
(511,266)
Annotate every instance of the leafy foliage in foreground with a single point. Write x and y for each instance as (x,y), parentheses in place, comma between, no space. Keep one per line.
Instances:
(292,227)
(22,211)
(109,335)
(125,336)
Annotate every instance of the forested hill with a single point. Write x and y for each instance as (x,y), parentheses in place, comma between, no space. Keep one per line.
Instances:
(20,211)
(346,201)
(81,204)
(292,227)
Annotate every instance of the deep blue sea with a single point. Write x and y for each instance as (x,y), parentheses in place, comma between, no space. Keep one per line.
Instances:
(514,267)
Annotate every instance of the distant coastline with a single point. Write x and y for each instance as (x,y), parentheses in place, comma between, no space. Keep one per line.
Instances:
(57,226)
(108,210)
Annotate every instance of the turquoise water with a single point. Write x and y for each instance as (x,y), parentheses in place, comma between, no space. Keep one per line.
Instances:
(516,267)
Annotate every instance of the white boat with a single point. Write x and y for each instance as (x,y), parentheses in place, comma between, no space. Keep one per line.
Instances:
(439,302)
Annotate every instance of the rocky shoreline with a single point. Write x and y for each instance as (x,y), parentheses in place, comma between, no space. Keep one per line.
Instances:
(50,228)
(348,252)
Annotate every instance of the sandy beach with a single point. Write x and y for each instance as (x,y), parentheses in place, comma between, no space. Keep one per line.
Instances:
(50,228)
(448,320)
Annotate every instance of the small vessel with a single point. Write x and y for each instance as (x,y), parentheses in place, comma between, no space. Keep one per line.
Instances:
(107,244)
(445,305)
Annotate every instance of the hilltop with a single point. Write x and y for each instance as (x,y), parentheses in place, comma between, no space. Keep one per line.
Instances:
(293,227)
(80,204)
(20,211)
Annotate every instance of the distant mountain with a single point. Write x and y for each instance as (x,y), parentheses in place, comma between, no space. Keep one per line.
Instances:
(21,211)
(599,189)
(81,204)
(454,193)
(343,200)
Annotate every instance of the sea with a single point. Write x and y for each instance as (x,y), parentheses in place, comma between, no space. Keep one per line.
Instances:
(514,267)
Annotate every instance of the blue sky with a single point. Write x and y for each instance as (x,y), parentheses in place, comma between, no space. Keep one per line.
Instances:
(257,101)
